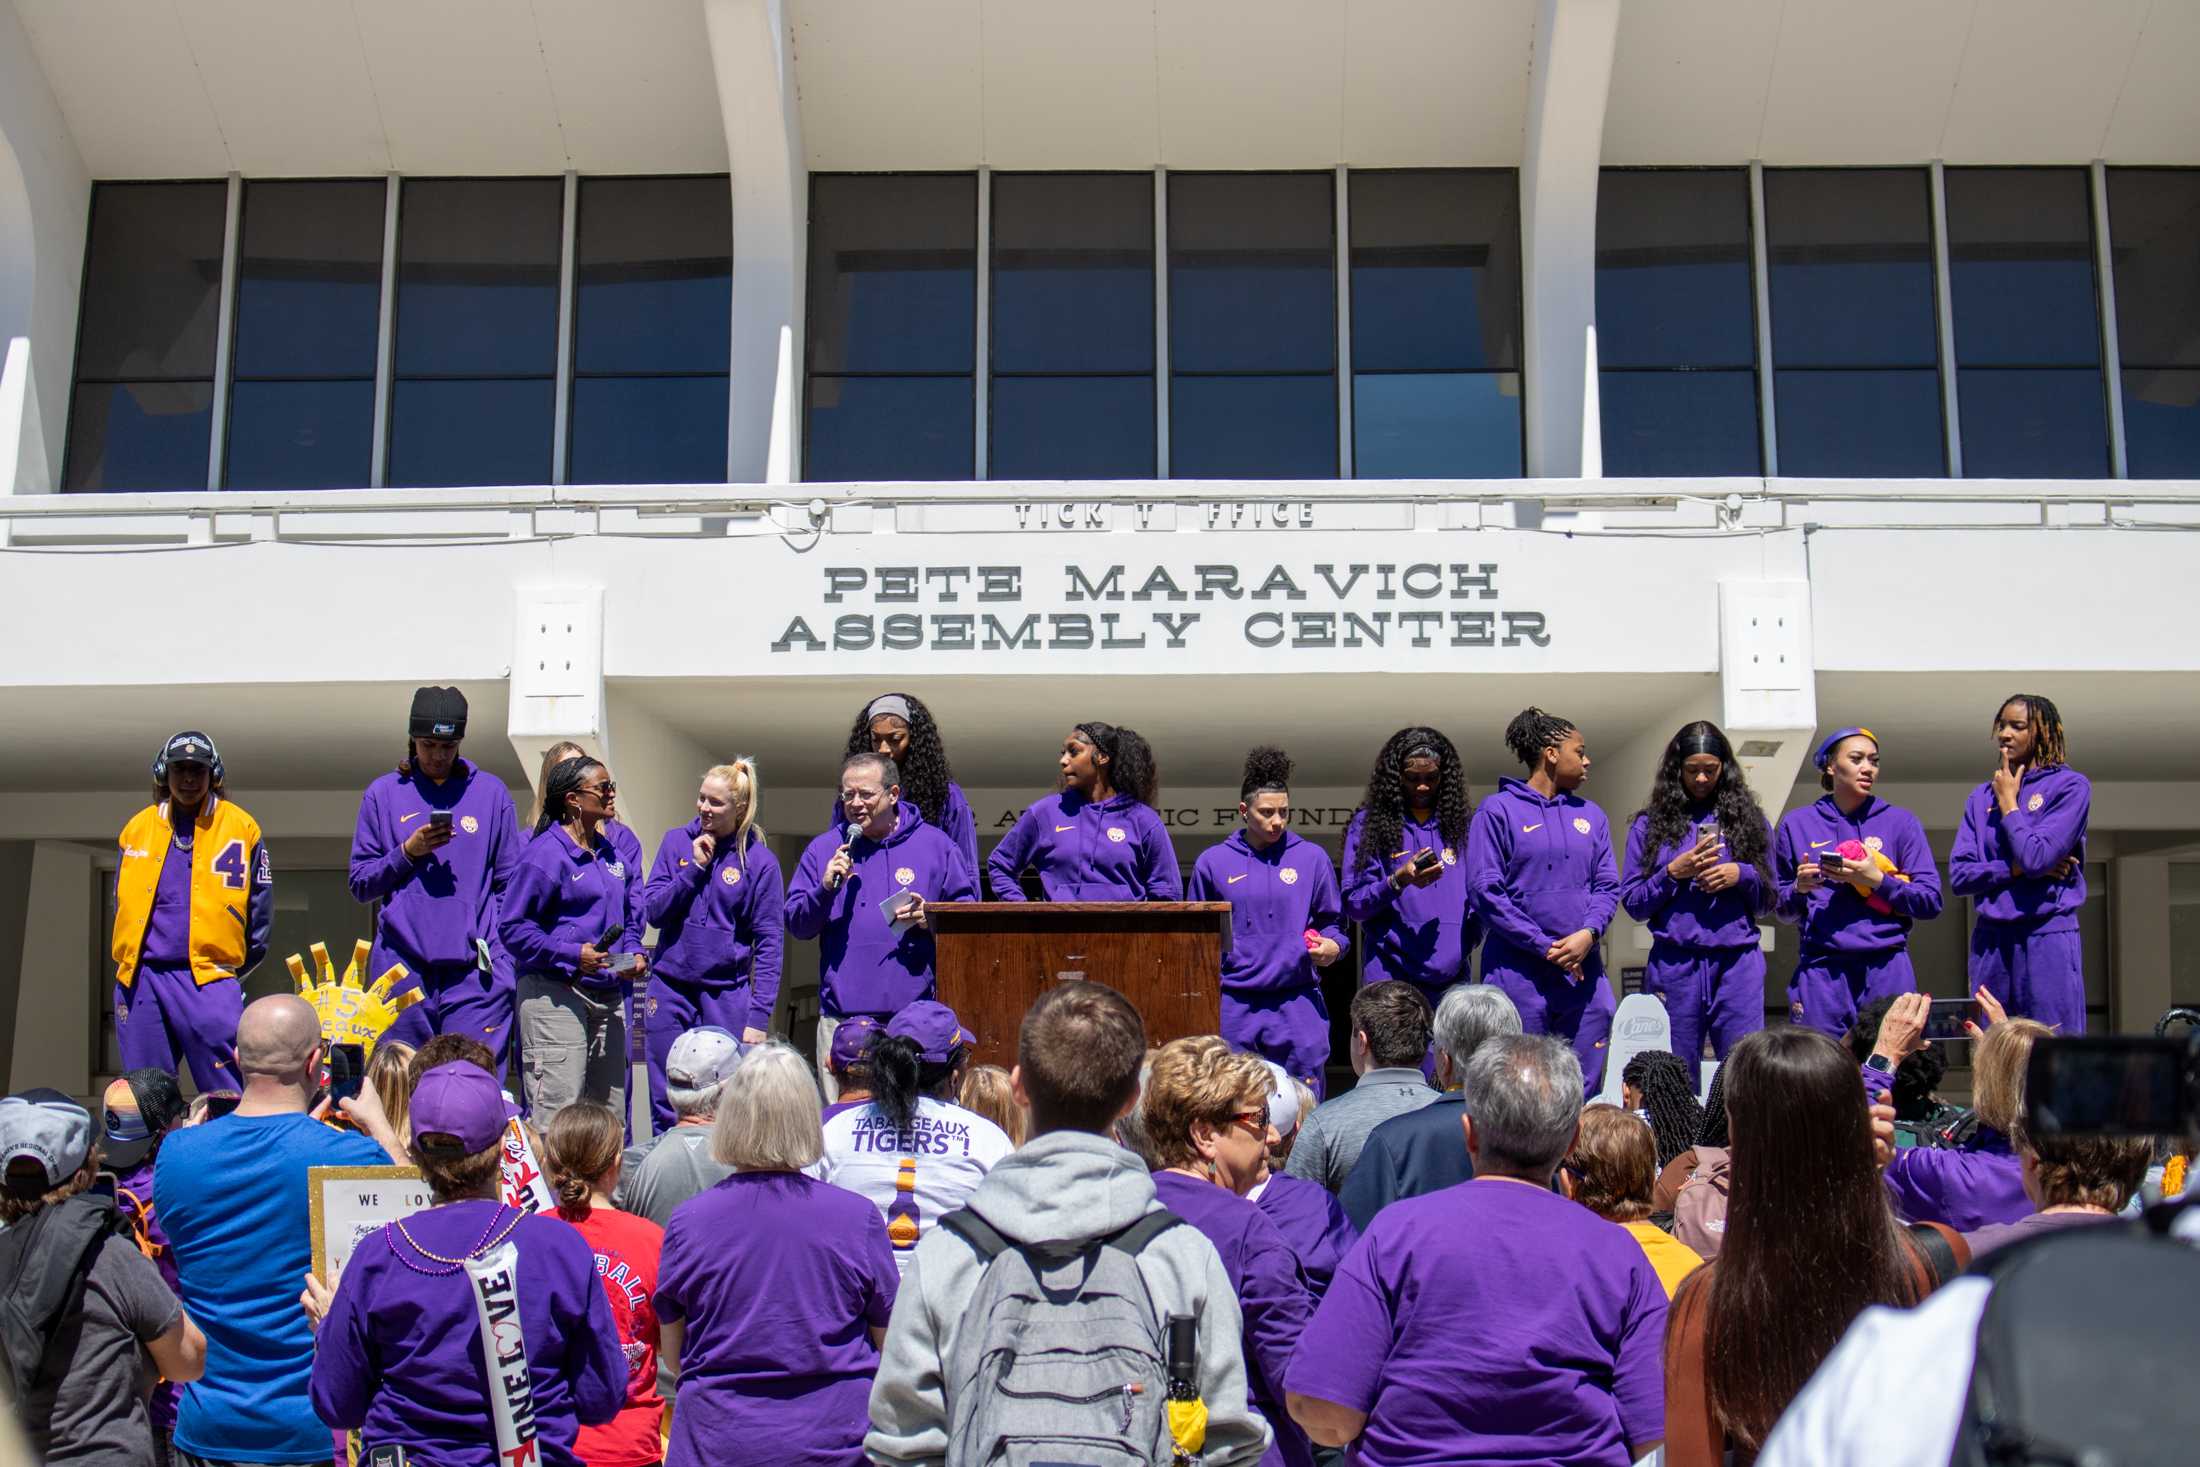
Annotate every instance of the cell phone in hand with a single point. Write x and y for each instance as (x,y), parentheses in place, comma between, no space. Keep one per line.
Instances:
(1831,861)
(1947,1017)
(347,1070)
(440,817)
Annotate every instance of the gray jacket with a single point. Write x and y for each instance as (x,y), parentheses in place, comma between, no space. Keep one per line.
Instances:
(1061,1186)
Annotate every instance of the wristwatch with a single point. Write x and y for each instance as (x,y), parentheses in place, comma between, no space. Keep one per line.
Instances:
(1880,1063)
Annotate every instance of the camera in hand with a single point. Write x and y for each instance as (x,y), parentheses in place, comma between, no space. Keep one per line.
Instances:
(2117,1085)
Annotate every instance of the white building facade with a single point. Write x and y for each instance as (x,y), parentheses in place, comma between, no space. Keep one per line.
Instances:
(674,376)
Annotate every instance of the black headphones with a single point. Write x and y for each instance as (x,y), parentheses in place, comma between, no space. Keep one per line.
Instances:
(213,756)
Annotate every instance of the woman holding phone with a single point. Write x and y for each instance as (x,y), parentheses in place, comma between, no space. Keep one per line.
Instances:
(1286,922)
(562,918)
(1698,876)
(1405,868)
(2020,853)
(1098,840)
(717,901)
(1852,872)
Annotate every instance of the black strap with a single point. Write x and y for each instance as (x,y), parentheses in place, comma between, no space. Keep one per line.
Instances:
(1133,1239)
(1939,1255)
(989,1243)
(981,1235)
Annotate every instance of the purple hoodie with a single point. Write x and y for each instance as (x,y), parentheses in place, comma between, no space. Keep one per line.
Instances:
(1676,911)
(1540,870)
(1834,919)
(2047,825)
(434,910)
(561,897)
(867,965)
(1274,896)
(718,926)
(955,822)
(1112,850)
(1425,934)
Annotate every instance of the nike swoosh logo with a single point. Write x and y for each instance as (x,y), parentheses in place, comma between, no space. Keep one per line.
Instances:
(1531,829)
(579,874)
(403,818)
(1060,828)
(1814,845)
(1233,881)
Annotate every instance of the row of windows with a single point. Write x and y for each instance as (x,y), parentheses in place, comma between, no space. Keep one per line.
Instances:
(1071,362)
(475,324)
(1208,346)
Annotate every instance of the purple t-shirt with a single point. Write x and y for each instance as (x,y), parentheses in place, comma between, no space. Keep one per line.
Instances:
(1271,1293)
(167,941)
(399,1357)
(778,1281)
(1492,1322)
(2000,1235)
(1966,1187)
(1313,1222)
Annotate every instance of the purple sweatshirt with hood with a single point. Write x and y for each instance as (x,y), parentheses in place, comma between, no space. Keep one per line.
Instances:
(1112,850)
(1540,870)
(1275,895)
(561,897)
(1835,921)
(1424,934)
(719,925)
(2053,805)
(868,964)
(436,909)
(1677,911)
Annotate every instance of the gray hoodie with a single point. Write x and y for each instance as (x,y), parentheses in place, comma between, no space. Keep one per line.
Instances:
(1060,1187)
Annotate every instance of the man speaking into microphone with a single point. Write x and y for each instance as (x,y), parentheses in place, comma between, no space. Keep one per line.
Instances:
(862,890)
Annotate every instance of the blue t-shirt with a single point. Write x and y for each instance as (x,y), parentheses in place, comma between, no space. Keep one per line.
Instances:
(232,1196)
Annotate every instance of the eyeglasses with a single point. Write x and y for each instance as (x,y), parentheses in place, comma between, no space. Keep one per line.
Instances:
(1255,1121)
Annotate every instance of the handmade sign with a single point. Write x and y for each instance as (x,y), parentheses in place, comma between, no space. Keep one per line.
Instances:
(352,1011)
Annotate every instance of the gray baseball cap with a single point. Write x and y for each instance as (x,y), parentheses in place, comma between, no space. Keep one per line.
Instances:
(47,1127)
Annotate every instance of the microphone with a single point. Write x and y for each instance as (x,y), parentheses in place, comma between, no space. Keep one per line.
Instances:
(848,834)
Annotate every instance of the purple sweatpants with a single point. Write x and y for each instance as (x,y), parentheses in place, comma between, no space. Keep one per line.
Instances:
(461,999)
(166,1013)
(1714,991)
(1827,990)
(2036,975)
(1291,1028)
(1579,1012)
(675,1006)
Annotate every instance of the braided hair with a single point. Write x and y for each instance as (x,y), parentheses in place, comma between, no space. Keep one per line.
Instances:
(564,778)
(924,771)
(1532,731)
(1384,804)
(2047,728)
(1266,768)
(1741,819)
(1668,1099)
(1132,767)
(1713,1132)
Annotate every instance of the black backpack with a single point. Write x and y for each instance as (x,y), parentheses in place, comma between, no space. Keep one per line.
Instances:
(2086,1351)
(44,1262)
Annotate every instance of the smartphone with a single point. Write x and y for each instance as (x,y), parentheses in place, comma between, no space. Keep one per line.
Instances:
(221,1103)
(347,1070)
(439,817)
(1831,861)
(2109,1086)
(1426,860)
(1946,1019)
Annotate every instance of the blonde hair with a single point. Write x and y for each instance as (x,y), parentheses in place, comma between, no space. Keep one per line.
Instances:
(552,757)
(768,1114)
(389,1071)
(1997,1074)
(739,778)
(1199,1079)
(986,1091)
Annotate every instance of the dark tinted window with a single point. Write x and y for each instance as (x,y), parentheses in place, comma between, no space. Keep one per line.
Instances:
(141,411)
(477,331)
(309,296)
(892,338)
(2154,228)
(1073,339)
(1252,325)
(1676,323)
(1435,324)
(2027,316)
(652,322)
(1854,334)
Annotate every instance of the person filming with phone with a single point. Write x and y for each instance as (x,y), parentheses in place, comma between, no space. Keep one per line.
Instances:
(862,891)
(562,918)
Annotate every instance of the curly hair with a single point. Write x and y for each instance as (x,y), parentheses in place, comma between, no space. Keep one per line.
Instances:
(1199,1079)
(1741,819)
(1915,1079)
(1266,768)
(1668,1099)
(2047,728)
(1532,731)
(1384,804)
(924,770)
(1132,768)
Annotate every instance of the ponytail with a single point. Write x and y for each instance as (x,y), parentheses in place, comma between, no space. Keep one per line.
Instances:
(740,777)
(897,1072)
(580,1147)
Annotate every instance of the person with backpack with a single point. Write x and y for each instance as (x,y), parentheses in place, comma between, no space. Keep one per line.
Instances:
(1064,1312)
(85,1319)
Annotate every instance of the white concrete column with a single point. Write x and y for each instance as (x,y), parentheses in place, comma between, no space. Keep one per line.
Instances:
(54,1017)
(1569,78)
(1768,681)
(751,48)
(657,767)
(557,688)
(45,197)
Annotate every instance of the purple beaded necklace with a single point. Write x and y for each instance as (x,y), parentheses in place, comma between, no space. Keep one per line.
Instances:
(490,1237)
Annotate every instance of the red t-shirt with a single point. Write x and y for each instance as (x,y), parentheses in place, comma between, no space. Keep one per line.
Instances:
(626,1250)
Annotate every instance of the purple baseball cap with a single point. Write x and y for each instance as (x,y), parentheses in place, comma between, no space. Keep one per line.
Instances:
(459,1101)
(933,1028)
(850,1041)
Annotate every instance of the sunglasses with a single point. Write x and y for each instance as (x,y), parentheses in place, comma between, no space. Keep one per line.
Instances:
(604,791)
(1254,1121)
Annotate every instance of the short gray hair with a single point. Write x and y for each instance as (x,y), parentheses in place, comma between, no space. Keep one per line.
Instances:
(768,1114)
(1524,1095)
(1470,1013)
(687,1104)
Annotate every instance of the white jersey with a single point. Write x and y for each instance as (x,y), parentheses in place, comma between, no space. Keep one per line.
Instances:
(914,1177)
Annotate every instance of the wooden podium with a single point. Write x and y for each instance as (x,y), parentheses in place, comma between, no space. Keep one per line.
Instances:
(996,957)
